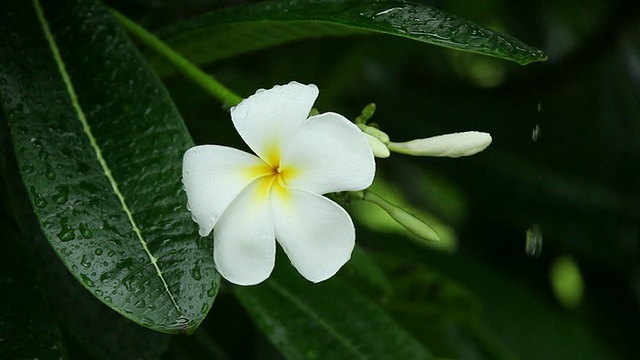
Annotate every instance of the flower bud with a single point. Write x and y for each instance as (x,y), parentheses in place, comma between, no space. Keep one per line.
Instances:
(379,149)
(449,145)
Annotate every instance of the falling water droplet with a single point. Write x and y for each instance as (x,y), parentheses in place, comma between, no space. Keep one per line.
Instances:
(533,245)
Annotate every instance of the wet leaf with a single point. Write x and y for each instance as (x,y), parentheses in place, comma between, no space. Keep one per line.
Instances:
(236,30)
(329,320)
(99,146)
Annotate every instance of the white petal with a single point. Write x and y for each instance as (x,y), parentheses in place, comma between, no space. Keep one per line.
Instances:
(213,176)
(244,248)
(328,153)
(450,145)
(316,233)
(267,119)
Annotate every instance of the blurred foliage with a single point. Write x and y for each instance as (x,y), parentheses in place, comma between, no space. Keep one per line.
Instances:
(577,179)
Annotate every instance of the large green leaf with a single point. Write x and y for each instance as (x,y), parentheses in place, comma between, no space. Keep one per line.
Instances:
(329,320)
(236,30)
(99,147)
(522,324)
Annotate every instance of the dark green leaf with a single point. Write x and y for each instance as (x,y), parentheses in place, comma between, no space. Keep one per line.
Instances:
(240,29)
(99,146)
(520,320)
(329,320)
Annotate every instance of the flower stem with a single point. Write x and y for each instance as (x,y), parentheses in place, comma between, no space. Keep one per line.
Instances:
(206,81)
(402,217)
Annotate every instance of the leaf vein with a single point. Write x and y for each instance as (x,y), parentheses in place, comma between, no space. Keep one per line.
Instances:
(87,129)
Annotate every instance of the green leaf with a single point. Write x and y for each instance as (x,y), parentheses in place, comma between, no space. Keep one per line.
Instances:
(99,146)
(232,31)
(329,320)
(519,320)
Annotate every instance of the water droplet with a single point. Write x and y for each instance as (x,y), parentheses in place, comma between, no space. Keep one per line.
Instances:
(62,194)
(85,261)
(66,232)
(127,283)
(98,292)
(85,280)
(85,231)
(196,274)
(49,173)
(108,299)
(147,322)
(533,245)
(140,304)
(38,200)
(98,251)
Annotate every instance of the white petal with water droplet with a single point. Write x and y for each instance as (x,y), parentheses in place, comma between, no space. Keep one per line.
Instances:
(244,248)
(316,233)
(213,176)
(328,154)
(267,120)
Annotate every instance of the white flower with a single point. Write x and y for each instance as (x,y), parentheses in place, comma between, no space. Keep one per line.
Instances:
(450,145)
(250,201)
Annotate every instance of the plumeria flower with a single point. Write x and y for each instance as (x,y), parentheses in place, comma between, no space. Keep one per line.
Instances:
(251,201)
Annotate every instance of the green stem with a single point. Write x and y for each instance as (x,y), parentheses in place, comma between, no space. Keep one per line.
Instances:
(207,82)
(401,216)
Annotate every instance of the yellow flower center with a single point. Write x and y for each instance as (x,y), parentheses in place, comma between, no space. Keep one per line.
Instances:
(271,175)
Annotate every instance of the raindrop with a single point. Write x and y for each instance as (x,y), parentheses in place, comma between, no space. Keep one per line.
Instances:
(85,231)
(49,173)
(86,262)
(127,283)
(98,251)
(38,200)
(196,273)
(533,245)
(62,194)
(140,304)
(147,322)
(98,292)
(66,232)
(85,280)
(535,133)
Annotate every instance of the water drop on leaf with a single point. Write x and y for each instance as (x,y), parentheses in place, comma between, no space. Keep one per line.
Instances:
(85,280)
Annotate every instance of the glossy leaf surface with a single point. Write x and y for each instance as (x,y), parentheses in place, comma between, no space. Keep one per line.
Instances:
(240,29)
(320,321)
(99,146)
